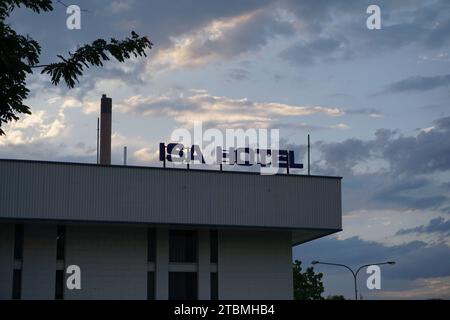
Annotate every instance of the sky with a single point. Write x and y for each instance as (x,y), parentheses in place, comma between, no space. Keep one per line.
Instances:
(376,103)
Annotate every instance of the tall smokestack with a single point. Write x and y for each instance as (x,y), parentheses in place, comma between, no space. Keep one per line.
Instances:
(105,130)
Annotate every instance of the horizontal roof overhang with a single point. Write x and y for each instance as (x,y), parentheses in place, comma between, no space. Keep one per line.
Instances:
(310,206)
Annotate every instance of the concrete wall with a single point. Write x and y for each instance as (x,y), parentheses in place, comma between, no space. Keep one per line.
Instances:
(39,261)
(255,265)
(204,268)
(6,259)
(113,261)
(162,264)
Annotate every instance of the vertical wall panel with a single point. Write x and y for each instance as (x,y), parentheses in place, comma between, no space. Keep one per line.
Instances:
(113,261)
(204,269)
(162,264)
(6,260)
(39,262)
(255,265)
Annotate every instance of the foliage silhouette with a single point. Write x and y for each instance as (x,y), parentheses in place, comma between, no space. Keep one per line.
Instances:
(19,56)
(307,285)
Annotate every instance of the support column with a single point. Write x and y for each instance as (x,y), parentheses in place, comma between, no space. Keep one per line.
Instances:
(6,260)
(204,272)
(162,264)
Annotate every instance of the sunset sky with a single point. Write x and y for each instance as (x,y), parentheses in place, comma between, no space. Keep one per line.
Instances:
(376,103)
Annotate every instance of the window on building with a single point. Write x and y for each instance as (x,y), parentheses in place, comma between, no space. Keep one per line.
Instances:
(60,242)
(151,245)
(150,286)
(214,246)
(18,242)
(214,286)
(59,285)
(183,246)
(17,284)
(183,286)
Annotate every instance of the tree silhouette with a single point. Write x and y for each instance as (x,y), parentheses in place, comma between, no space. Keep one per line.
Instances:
(19,56)
(307,285)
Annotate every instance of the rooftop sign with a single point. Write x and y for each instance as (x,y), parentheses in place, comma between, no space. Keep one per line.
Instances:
(180,154)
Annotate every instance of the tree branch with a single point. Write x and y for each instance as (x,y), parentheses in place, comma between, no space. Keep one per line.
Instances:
(69,69)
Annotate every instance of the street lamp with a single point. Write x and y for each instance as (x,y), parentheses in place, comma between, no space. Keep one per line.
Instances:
(355,274)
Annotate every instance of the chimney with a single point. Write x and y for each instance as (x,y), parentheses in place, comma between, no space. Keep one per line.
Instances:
(105,130)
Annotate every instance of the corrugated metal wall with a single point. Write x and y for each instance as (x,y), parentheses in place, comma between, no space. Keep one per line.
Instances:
(80,192)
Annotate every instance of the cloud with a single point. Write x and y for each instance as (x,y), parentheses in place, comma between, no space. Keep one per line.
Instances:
(427,152)
(306,53)
(371,112)
(121,6)
(335,31)
(439,225)
(429,288)
(306,127)
(342,157)
(238,74)
(390,171)
(38,126)
(382,224)
(413,261)
(418,83)
(145,155)
(222,39)
(219,111)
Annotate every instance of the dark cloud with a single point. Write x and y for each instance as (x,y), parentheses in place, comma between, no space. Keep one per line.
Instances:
(407,191)
(418,83)
(330,30)
(401,170)
(428,152)
(439,225)
(341,157)
(335,31)
(414,260)
(246,34)
(159,20)
(411,201)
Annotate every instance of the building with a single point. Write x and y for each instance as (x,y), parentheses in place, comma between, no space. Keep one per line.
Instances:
(155,233)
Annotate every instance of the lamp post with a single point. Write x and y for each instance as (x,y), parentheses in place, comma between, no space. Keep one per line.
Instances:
(355,274)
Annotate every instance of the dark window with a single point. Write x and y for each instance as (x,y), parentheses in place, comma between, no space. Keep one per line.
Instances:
(183,286)
(150,286)
(151,245)
(59,285)
(17,284)
(18,242)
(214,286)
(214,244)
(183,246)
(60,242)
